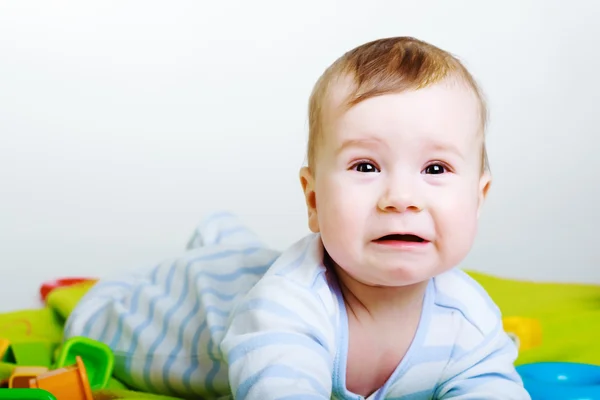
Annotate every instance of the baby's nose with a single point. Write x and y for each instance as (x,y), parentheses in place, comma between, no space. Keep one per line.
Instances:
(400,198)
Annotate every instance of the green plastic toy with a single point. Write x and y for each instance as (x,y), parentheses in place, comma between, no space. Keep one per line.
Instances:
(26,394)
(96,356)
(30,353)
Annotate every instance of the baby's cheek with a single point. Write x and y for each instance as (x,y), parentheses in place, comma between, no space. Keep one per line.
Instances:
(341,233)
(334,219)
(460,231)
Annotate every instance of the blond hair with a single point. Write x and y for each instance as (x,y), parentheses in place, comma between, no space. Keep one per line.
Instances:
(390,65)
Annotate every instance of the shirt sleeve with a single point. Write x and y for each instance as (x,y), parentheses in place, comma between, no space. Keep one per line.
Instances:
(486,372)
(279,343)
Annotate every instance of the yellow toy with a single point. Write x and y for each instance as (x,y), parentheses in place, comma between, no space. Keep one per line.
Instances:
(526,332)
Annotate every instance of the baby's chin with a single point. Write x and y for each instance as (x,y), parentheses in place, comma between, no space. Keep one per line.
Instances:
(387,272)
(395,284)
(388,278)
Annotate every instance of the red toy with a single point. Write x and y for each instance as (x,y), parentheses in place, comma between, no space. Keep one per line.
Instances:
(49,286)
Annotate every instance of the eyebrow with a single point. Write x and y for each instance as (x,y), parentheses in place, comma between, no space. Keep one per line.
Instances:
(447,147)
(374,142)
(365,142)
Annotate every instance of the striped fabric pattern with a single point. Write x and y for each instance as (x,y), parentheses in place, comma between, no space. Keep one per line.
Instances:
(231,318)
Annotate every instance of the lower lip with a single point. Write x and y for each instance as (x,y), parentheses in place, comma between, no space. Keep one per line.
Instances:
(399,244)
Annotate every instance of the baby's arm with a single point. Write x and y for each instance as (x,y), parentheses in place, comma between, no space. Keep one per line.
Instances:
(279,344)
(486,372)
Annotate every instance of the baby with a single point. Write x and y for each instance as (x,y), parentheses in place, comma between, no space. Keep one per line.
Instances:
(369,305)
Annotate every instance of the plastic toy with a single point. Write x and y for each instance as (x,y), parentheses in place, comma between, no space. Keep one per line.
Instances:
(21,375)
(526,332)
(561,380)
(26,353)
(4,350)
(26,394)
(68,383)
(49,286)
(97,357)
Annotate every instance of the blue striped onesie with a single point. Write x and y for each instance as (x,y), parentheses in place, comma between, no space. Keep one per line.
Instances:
(231,318)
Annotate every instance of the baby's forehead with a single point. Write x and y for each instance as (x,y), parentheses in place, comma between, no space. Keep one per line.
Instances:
(444,106)
(343,92)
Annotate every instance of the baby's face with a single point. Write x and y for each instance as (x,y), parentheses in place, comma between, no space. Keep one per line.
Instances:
(398,183)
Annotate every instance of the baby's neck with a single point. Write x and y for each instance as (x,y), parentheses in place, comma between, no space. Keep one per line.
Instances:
(382,324)
(380,303)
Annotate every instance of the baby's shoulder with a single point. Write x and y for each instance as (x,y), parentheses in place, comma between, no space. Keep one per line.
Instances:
(458,294)
(293,296)
(296,280)
(300,264)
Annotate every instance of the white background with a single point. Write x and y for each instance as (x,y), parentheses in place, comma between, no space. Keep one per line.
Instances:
(123,123)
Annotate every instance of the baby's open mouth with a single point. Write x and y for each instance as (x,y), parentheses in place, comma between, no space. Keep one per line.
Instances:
(401,238)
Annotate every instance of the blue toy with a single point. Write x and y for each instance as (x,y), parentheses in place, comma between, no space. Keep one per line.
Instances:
(561,380)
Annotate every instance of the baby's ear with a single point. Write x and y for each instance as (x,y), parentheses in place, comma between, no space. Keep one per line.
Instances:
(485,182)
(308,187)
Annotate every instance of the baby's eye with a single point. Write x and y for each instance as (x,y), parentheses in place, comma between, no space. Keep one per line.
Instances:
(435,169)
(365,167)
